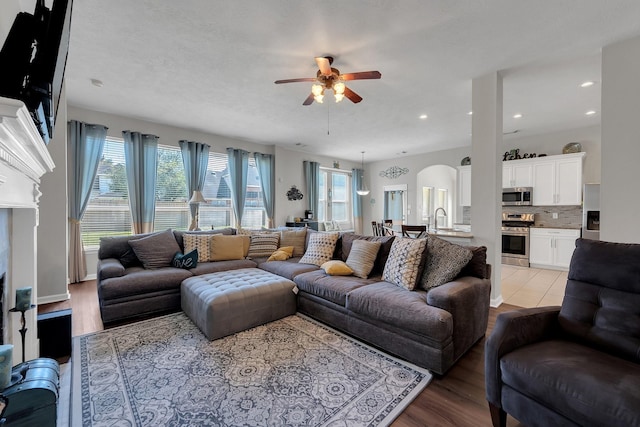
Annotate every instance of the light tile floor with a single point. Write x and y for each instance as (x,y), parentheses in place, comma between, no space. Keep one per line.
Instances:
(532,287)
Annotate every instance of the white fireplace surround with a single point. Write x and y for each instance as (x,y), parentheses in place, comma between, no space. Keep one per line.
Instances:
(24,158)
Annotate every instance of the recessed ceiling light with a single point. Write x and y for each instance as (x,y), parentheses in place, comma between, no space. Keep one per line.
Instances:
(423,116)
(587,84)
(517,116)
(590,113)
(470,113)
(97,83)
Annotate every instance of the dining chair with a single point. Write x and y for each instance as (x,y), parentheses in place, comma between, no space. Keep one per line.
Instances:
(376,228)
(414,231)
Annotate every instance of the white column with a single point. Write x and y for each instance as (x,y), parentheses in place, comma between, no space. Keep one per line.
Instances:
(23,274)
(486,172)
(619,201)
(53,236)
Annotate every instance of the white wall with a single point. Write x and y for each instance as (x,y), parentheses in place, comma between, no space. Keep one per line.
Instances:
(8,11)
(620,133)
(53,241)
(440,177)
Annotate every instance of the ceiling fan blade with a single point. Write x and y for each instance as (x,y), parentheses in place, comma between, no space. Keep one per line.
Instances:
(304,79)
(309,100)
(353,97)
(324,65)
(363,75)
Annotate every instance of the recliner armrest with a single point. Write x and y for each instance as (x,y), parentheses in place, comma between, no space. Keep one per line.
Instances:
(514,329)
(109,267)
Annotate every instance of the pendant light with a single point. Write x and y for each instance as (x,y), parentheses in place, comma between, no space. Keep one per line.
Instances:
(362,188)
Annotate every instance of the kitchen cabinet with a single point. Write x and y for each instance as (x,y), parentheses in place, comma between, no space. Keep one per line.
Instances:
(552,247)
(464,185)
(517,173)
(557,180)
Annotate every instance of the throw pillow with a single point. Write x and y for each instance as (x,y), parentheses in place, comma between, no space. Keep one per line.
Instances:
(200,242)
(295,238)
(444,262)
(186,261)
(336,268)
(283,253)
(223,248)
(383,253)
(263,244)
(405,262)
(155,250)
(362,257)
(477,267)
(320,248)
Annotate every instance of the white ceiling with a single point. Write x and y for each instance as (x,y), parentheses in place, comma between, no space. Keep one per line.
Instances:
(210,66)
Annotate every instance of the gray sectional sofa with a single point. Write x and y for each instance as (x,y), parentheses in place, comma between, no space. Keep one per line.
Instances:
(432,329)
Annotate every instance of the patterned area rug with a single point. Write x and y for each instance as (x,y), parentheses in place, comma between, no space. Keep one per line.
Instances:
(291,372)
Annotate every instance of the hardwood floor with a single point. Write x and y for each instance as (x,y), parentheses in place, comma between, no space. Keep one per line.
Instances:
(455,399)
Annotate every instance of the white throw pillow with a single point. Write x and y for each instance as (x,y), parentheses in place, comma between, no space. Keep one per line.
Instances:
(405,262)
(320,248)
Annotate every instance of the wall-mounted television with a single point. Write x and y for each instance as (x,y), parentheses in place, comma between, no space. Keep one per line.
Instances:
(37,47)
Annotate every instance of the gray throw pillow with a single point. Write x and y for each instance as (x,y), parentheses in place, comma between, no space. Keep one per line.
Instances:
(156,250)
(362,257)
(444,261)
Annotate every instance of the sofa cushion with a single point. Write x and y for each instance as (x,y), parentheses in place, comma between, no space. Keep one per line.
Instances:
(224,248)
(335,267)
(281,254)
(263,244)
(199,242)
(444,261)
(118,247)
(156,250)
(405,263)
(188,260)
(362,257)
(401,308)
(383,253)
(139,281)
(295,238)
(330,288)
(320,248)
(289,268)
(585,385)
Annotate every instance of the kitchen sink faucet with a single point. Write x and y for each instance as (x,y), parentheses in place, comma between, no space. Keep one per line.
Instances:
(435,217)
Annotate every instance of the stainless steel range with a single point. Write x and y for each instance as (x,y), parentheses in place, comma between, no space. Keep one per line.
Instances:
(515,238)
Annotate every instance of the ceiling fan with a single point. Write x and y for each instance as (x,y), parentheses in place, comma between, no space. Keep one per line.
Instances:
(330,78)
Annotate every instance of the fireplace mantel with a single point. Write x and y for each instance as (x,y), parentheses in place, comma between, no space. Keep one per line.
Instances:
(24,159)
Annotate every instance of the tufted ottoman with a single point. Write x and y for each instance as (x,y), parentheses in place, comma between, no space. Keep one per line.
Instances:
(227,302)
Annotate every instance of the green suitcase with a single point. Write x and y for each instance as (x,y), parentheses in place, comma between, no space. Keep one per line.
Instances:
(32,396)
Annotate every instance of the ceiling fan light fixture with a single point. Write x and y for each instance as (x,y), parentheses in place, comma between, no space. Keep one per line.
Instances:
(317,90)
(338,88)
(362,188)
(318,98)
(339,97)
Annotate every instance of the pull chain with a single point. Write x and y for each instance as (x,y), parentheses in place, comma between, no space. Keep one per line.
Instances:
(328,109)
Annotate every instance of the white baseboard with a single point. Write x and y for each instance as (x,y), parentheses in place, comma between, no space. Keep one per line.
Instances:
(54,298)
(495,302)
(90,277)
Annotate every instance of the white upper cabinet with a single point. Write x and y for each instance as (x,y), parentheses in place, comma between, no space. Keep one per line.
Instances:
(557,180)
(464,185)
(517,174)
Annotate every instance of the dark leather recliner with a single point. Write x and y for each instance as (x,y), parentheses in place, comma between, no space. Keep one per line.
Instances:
(579,364)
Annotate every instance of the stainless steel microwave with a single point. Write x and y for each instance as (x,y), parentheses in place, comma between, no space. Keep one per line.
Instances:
(517,196)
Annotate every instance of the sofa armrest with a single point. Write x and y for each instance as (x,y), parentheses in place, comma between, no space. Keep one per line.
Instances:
(467,299)
(514,329)
(109,267)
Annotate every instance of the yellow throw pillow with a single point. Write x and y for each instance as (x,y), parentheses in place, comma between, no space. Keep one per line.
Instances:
(281,254)
(336,268)
(223,248)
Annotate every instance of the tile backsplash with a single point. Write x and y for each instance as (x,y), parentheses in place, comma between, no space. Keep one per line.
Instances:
(568,216)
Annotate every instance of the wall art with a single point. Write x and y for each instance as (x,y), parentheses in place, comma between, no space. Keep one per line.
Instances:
(394,172)
(294,193)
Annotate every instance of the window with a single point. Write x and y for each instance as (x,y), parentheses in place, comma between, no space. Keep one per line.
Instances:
(107,211)
(334,202)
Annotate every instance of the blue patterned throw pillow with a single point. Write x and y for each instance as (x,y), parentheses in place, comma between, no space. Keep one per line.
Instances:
(189,260)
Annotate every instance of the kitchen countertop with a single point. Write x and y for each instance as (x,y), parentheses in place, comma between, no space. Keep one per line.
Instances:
(555,226)
(444,232)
